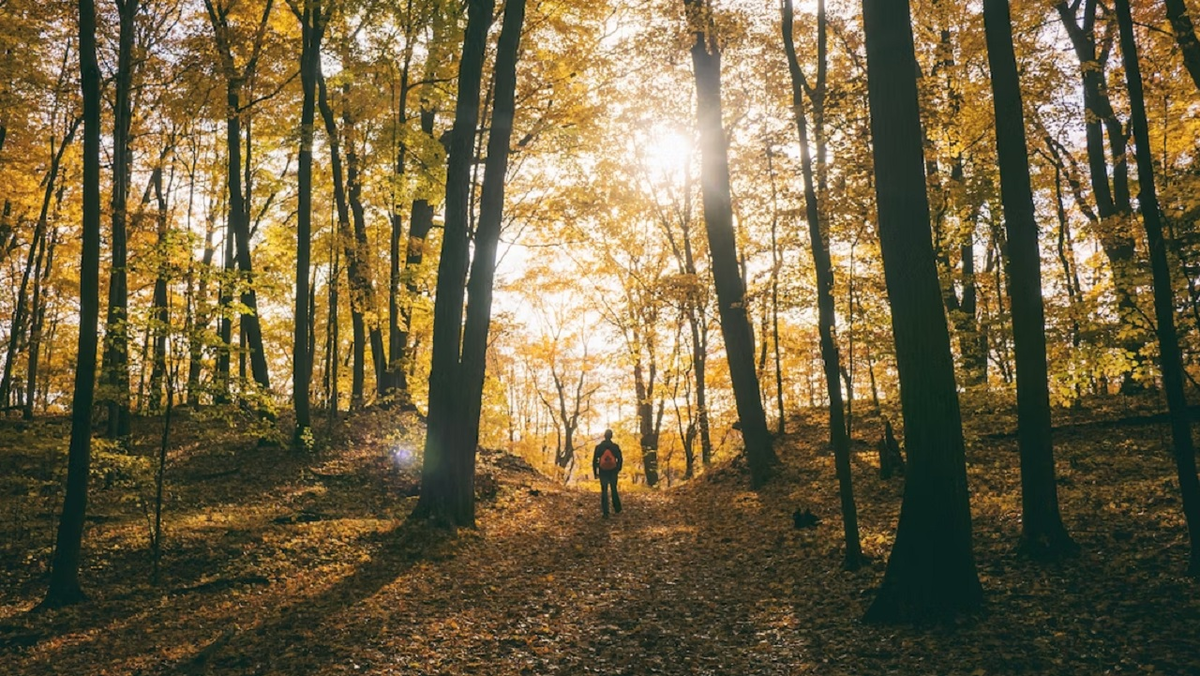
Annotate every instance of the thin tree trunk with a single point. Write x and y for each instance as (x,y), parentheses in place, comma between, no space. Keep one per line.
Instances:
(1112,200)
(116,336)
(1164,297)
(64,588)
(1042,532)
(776,268)
(718,219)
(931,570)
(238,212)
(312,27)
(161,323)
(366,287)
(826,319)
(35,330)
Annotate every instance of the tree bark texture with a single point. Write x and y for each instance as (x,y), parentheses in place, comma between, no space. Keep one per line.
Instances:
(1164,298)
(1042,530)
(312,28)
(931,570)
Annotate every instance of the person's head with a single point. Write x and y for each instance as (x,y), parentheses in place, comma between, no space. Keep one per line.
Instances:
(608,434)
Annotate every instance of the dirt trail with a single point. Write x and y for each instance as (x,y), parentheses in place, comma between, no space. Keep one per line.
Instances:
(548,587)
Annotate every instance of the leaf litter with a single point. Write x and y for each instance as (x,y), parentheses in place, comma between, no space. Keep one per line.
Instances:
(306,565)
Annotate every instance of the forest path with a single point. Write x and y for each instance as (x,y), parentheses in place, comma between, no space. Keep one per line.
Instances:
(550,587)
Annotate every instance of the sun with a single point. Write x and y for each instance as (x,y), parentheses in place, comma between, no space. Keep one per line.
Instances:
(665,152)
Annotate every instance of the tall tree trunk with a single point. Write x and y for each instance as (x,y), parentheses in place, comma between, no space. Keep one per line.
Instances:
(718,219)
(116,325)
(64,588)
(823,267)
(931,570)
(365,285)
(1164,298)
(359,287)
(239,212)
(1185,35)
(483,266)
(312,28)
(332,342)
(160,313)
(38,321)
(776,268)
(1042,531)
(446,480)
(394,385)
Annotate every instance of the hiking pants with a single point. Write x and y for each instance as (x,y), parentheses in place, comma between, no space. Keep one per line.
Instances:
(609,478)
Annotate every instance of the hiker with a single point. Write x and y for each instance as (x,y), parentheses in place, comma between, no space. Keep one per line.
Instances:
(606,465)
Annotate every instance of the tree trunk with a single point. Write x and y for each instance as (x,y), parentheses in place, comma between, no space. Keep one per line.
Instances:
(420,223)
(38,319)
(931,570)
(160,313)
(312,28)
(345,237)
(823,267)
(362,269)
(239,213)
(1164,297)
(64,588)
(447,484)
(116,337)
(1185,35)
(1042,532)
(718,219)
(483,266)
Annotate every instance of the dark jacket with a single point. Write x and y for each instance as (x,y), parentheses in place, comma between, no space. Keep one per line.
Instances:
(607,443)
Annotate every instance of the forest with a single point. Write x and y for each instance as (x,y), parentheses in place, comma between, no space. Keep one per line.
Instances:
(312,313)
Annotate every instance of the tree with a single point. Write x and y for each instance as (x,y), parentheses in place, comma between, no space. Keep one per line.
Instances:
(823,268)
(931,570)
(237,247)
(1042,530)
(64,588)
(1185,35)
(116,338)
(314,17)
(718,221)
(1112,199)
(1164,298)
(459,353)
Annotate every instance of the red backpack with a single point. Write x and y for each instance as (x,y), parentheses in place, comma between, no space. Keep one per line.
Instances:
(608,460)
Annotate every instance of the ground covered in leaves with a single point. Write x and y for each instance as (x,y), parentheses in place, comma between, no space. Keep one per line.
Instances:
(277,563)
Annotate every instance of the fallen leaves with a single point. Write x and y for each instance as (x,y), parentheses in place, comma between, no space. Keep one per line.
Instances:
(284,569)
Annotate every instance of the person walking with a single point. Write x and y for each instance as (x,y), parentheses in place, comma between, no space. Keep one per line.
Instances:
(606,465)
